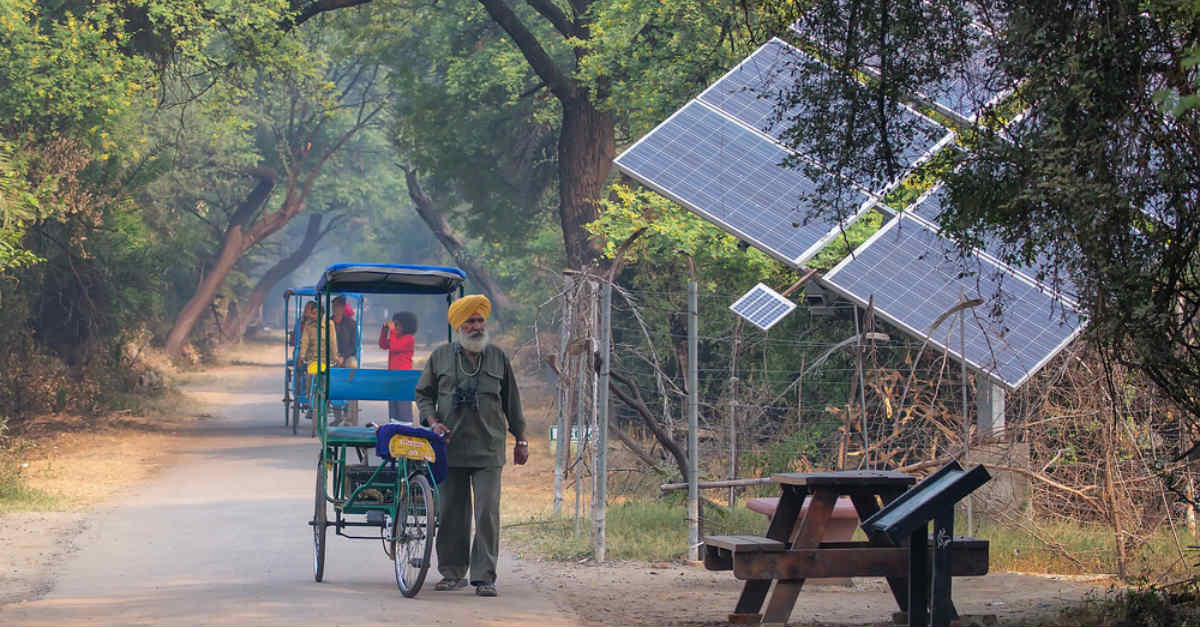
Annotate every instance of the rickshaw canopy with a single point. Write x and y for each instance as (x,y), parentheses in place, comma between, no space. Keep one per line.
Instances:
(369,278)
(299,291)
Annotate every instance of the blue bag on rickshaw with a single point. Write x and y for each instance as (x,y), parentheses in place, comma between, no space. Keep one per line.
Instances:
(384,447)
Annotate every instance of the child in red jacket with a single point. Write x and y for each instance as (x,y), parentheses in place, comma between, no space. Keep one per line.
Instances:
(396,337)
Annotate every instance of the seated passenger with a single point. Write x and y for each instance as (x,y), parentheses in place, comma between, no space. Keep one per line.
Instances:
(347,352)
(308,339)
(347,334)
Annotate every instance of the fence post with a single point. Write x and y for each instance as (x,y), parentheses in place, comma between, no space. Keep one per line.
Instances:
(564,398)
(693,415)
(601,495)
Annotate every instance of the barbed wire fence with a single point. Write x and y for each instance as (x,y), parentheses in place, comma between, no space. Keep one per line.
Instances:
(808,395)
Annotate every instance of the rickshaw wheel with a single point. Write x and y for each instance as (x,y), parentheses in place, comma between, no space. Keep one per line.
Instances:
(320,517)
(414,534)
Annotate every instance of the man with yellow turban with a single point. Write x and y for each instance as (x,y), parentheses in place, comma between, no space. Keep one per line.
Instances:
(468,395)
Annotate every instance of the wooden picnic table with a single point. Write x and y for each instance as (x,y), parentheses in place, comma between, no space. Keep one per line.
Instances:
(793,551)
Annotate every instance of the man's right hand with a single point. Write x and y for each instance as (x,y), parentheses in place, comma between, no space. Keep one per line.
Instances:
(440,429)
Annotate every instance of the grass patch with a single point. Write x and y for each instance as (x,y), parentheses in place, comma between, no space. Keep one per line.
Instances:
(1075,549)
(15,494)
(636,531)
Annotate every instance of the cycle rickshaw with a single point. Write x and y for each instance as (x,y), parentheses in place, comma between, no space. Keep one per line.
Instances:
(398,495)
(296,387)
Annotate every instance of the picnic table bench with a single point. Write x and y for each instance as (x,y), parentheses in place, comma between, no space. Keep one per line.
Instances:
(794,548)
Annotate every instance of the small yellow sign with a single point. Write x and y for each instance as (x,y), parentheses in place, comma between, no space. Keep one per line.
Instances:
(410,447)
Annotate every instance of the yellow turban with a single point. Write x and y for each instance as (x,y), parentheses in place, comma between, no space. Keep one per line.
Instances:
(466,307)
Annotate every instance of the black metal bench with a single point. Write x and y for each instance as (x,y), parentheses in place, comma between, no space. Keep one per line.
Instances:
(906,522)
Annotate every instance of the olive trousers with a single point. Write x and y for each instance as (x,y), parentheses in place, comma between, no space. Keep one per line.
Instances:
(457,550)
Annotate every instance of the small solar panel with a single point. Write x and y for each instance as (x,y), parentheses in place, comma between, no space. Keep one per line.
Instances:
(734,177)
(916,277)
(751,92)
(763,306)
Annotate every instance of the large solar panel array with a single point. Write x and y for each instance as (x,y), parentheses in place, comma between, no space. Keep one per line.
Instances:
(734,177)
(763,307)
(716,157)
(722,156)
(916,276)
(750,93)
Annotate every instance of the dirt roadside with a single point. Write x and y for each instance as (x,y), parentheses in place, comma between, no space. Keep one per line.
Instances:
(90,470)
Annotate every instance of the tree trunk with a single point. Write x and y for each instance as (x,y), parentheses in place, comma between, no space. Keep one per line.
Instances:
(312,235)
(238,239)
(586,148)
(436,221)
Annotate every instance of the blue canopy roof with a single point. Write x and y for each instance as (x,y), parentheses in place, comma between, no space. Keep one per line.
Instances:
(311,291)
(299,291)
(374,278)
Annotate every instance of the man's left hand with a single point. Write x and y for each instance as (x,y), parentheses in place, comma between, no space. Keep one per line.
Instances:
(520,454)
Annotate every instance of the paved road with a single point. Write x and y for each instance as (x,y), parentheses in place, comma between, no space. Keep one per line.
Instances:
(220,537)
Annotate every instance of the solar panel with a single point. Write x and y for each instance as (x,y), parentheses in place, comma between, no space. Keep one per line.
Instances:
(929,209)
(763,306)
(752,91)
(733,176)
(915,277)
(964,90)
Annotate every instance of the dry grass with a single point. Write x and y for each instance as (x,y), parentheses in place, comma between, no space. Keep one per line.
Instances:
(70,463)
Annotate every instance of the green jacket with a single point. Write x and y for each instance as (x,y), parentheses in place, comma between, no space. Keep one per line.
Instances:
(476,435)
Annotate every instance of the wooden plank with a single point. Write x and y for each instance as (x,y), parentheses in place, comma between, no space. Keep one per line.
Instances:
(863,561)
(791,500)
(744,544)
(846,479)
(807,534)
(716,558)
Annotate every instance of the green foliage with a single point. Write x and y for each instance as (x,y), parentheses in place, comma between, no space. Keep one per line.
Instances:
(673,231)
(67,72)
(472,117)
(645,58)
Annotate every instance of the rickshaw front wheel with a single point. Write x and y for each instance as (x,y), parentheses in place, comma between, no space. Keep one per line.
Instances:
(320,518)
(414,531)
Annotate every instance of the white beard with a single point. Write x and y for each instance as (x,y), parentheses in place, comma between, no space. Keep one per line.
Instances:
(473,344)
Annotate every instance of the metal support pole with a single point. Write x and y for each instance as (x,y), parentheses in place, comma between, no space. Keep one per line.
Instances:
(693,415)
(733,390)
(601,495)
(584,428)
(564,398)
(966,420)
(862,393)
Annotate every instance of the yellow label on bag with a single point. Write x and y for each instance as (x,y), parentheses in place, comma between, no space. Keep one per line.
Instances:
(410,447)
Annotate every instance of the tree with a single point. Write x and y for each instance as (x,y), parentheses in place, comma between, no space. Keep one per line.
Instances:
(435,219)
(1091,165)
(305,120)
